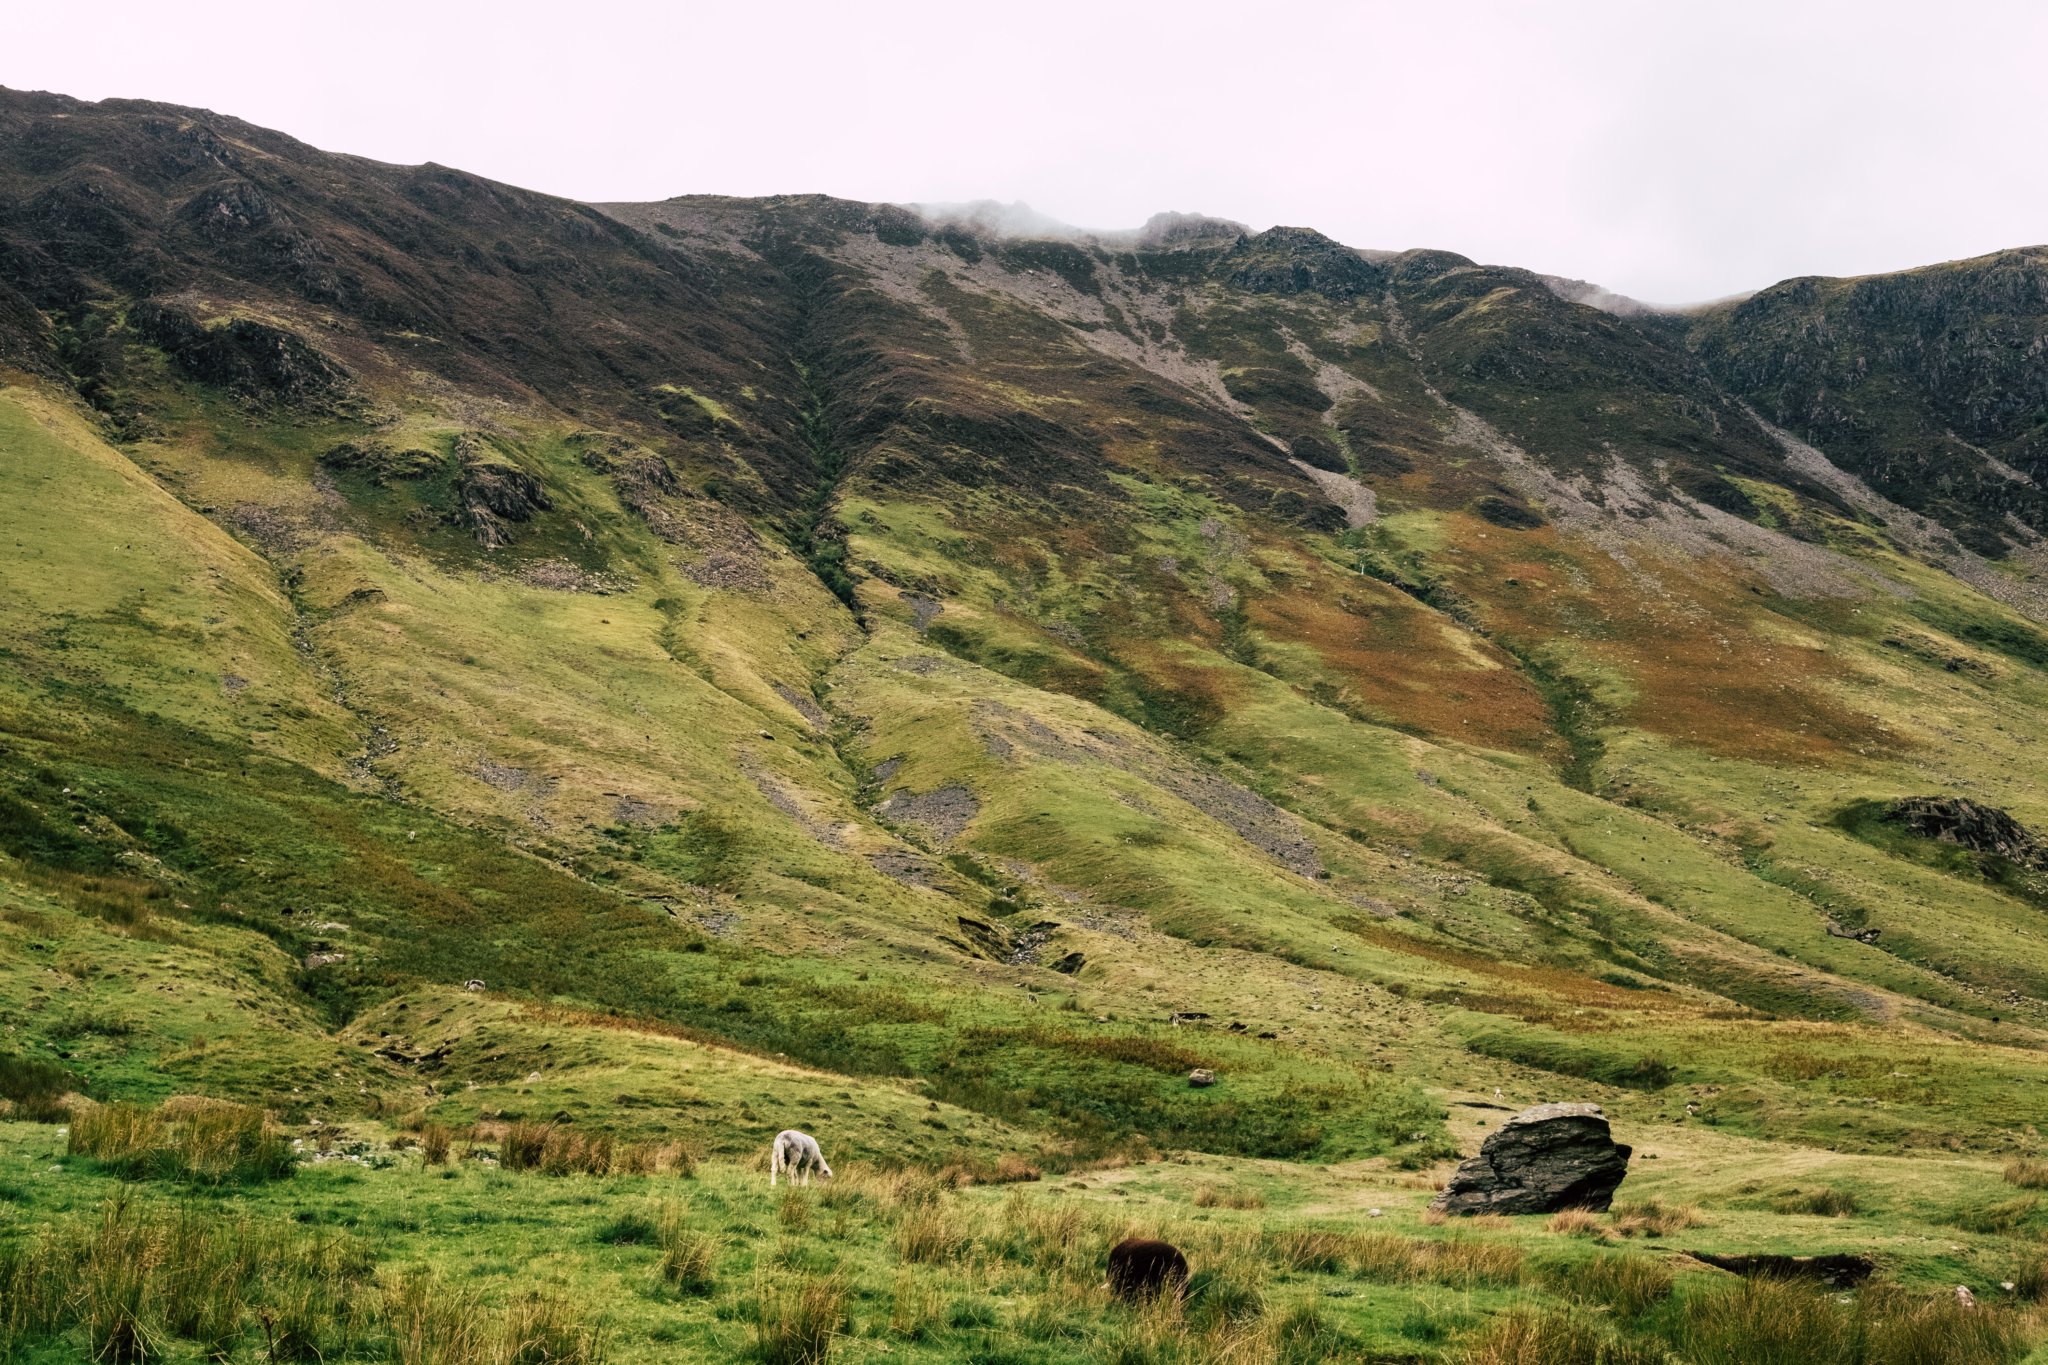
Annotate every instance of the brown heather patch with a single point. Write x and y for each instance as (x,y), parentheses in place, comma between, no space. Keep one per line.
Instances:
(1699,654)
(1392,657)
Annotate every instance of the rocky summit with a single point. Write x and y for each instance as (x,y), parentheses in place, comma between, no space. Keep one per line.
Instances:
(508,705)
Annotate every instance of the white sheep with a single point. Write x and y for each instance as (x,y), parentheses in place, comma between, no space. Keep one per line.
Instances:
(798,1154)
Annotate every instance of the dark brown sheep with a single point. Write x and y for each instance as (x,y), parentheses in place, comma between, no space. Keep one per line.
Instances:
(1140,1267)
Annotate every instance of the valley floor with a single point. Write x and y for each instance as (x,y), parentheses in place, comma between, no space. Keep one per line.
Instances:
(428,1263)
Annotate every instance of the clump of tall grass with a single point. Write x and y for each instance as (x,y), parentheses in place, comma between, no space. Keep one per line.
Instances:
(139,1278)
(1654,1218)
(208,1142)
(1783,1322)
(1304,1335)
(435,1140)
(917,1307)
(1316,1250)
(689,1258)
(2027,1172)
(799,1321)
(553,1150)
(1825,1202)
(1577,1223)
(34,1090)
(1628,1283)
(929,1235)
(1556,1338)
(1224,1197)
(139,1282)
(429,1320)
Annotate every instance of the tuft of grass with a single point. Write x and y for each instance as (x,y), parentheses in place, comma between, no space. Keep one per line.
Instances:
(2001,1219)
(552,1150)
(689,1258)
(1555,1338)
(2027,1172)
(1314,1250)
(547,1329)
(1826,1202)
(799,1321)
(1628,1283)
(1304,1335)
(206,1142)
(33,1090)
(1576,1223)
(1774,1322)
(1224,1197)
(435,1140)
(1654,1218)
(917,1307)
(140,1280)
(1231,1291)
(929,1235)
(627,1230)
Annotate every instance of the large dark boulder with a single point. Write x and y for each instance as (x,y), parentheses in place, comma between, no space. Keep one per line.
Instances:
(1551,1157)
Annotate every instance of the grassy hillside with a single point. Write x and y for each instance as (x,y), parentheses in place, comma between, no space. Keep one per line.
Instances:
(588,690)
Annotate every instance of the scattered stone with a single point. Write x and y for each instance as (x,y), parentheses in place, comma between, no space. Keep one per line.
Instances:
(314,961)
(1546,1158)
(1201,1078)
(472,985)
(923,610)
(903,866)
(804,705)
(941,815)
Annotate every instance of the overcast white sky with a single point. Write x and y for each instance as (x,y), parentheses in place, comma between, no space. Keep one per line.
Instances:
(1670,150)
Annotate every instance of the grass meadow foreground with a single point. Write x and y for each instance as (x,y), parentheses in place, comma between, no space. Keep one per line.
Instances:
(205,1233)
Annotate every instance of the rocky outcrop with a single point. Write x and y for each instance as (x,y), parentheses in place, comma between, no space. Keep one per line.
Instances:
(251,360)
(1293,260)
(494,494)
(380,463)
(1966,824)
(1551,1157)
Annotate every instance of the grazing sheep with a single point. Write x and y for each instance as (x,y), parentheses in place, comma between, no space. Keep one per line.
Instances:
(1140,1267)
(798,1154)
